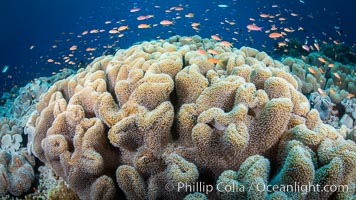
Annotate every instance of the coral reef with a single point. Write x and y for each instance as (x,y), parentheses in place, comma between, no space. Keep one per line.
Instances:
(293,47)
(21,102)
(160,113)
(10,134)
(9,126)
(196,196)
(349,118)
(16,160)
(17,173)
(50,186)
(339,52)
(329,85)
(301,167)
(62,192)
(322,104)
(11,143)
(317,73)
(252,173)
(350,106)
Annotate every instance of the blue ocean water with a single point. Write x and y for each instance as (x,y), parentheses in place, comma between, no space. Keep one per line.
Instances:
(36,32)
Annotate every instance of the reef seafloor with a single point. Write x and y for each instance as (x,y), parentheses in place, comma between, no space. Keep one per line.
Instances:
(184,118)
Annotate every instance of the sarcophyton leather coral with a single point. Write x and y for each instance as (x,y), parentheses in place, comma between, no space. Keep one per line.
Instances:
(158,114)
(16,172)
(317,73)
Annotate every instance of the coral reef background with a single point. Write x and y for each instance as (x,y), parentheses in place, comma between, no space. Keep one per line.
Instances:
(16,160)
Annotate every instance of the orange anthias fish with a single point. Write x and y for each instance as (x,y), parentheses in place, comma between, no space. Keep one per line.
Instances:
(281,44)
(113,31)
(122,28)
(311,70)
(321,59)
(213,60)
(144,26)
(212,51)
(322,92)
(74,47)
(226,43)
(337,75)
(275,35)
(166,22)
(317,46)
(321,70)
(189,15)
(90,49)
(264,15)
(253,27)
(215,37)
(135,9)
(143,17)
(202,51)
(288,30)
(94,31)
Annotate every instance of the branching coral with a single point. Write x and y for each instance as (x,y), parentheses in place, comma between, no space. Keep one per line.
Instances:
(161,113)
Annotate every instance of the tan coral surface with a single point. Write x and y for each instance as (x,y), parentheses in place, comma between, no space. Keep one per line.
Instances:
(159,113)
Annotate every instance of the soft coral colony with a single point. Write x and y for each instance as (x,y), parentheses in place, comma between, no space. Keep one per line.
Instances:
(159,113)
(17,173)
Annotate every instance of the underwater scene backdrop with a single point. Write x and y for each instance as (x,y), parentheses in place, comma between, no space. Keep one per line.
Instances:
(178,100)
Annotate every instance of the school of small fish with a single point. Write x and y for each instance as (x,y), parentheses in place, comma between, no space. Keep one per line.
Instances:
(271,22)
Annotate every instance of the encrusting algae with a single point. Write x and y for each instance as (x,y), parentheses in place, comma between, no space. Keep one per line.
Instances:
(159,113)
